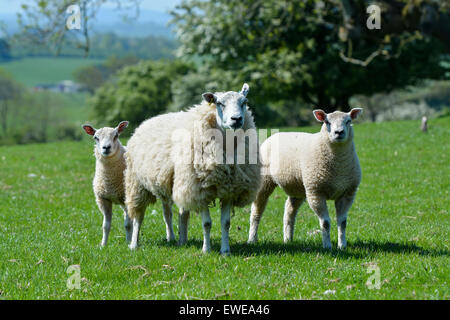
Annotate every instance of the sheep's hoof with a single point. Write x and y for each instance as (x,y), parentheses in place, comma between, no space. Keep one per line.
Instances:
(206,250)
(225,253)
(252,240)
(133,246)
(342,246)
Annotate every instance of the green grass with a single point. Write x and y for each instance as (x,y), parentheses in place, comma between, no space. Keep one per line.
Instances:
(33,71)
(399,223)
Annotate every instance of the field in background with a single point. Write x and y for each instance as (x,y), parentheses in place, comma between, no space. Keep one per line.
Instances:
(399,223)
(65,111)
(33,71)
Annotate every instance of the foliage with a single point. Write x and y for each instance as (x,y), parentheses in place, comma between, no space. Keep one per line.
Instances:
(429,100)
(93,76)
(290,50)
(399,19)
(10,92)
(139,92)
(32,117)
(5,50)
(102,45)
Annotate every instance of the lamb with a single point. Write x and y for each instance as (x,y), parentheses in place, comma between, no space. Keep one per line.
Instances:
(109,175)
(316,167)
(178,158)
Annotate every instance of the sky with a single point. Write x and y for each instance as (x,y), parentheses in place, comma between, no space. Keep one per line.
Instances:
(13,6)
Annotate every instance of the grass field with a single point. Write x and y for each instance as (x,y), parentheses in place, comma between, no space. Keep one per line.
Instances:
(399,225)
(33,71)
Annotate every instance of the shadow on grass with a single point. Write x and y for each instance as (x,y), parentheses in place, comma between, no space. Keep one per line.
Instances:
(357,249)
(394,247)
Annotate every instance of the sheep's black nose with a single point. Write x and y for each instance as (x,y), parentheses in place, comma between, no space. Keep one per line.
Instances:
(339,132)
(237,122)
(107,147)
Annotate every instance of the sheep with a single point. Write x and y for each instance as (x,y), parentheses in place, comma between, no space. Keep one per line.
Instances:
(109,175)
(316,167)
(424,124)
(178,158)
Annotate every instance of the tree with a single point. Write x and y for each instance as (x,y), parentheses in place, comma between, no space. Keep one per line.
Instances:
(94,76)
(10,90)
(290,51)
(44,22)
(5,50)
(405,19)
(139,92)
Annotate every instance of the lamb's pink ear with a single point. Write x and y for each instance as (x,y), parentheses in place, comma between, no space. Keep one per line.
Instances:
(355,112)
(122,125)
(89,129)
(320,115)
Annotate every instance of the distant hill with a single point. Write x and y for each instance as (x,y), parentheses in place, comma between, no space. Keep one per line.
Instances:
(113,32)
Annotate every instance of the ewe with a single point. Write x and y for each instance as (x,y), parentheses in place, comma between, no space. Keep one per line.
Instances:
(178,157)
(109,169)
(319,167)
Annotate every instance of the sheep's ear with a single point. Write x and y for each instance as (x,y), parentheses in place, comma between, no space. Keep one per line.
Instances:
(90,130)
(122,125)
(245,89)
(209,97)
(355,112)
(320,115)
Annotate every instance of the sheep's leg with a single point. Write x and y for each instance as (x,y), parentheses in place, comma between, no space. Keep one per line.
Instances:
(258,207)
(342,206)
(127,223)
(183,220)
(290,212)
(137,199)
(105,207)
(319,206)
(225,225)
(138,214)
(167,211)
(206,222)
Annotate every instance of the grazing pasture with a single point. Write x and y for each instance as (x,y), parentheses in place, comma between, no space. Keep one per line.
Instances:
(33,71)
(398,228)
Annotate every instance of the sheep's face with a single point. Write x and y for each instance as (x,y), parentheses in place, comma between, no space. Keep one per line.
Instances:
(338,124)
(231,107)
(106,139)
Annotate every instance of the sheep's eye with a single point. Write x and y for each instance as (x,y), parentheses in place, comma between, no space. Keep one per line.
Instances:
(220,104)
(348,121)
(96,138)
(116,136)
(326,122)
